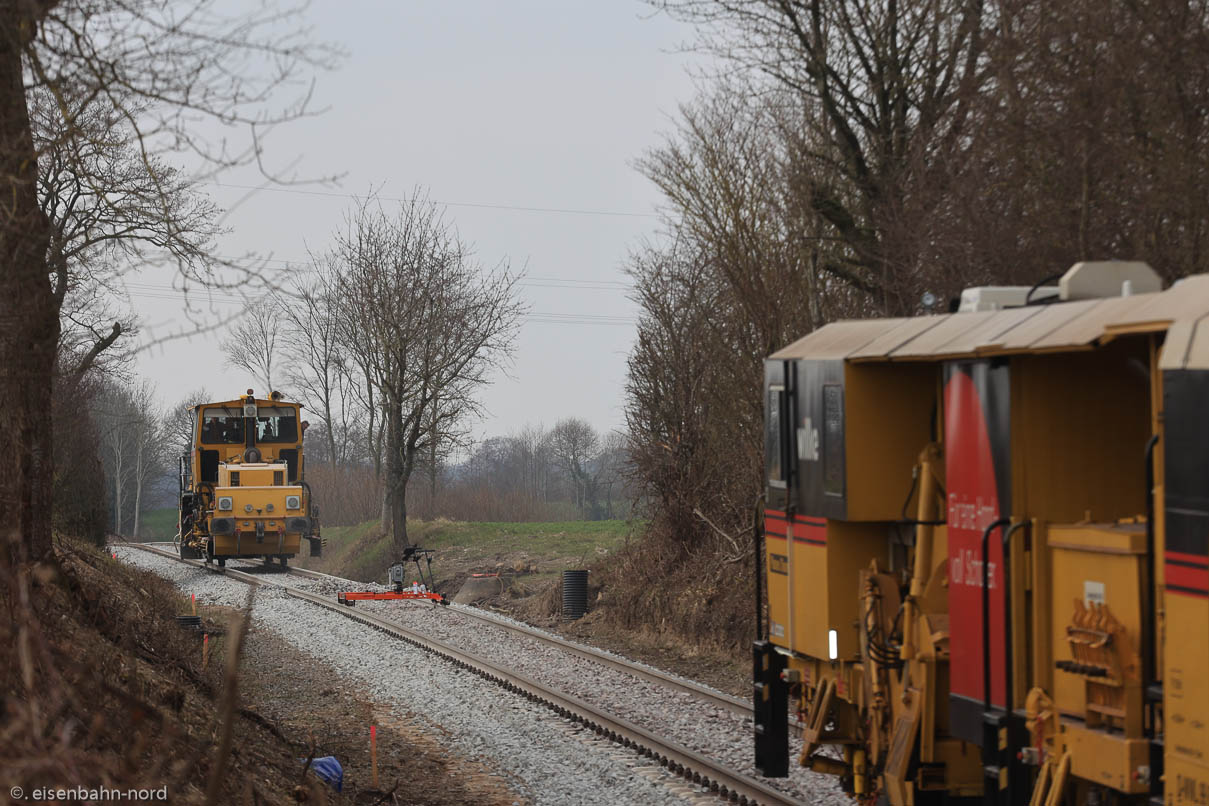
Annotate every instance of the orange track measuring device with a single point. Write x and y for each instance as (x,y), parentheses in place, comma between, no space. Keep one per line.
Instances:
(397,573)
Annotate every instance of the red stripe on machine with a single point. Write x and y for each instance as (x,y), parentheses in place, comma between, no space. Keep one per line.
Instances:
(809,521)
(1188,559)
(814,535)
(1187,579)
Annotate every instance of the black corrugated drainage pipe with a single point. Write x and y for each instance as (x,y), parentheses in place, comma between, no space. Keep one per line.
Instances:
(575,594)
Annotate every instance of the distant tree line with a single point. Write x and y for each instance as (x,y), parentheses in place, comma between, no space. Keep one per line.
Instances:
(568,472)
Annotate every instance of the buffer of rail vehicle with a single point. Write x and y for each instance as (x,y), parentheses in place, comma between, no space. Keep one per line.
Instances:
(985,547)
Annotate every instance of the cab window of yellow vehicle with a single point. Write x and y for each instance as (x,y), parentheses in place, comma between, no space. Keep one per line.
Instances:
(276,424)
(222,425)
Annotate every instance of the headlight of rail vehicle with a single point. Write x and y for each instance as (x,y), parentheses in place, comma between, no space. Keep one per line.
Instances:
(293,502)
(247,507)
(224,502)
(268,507)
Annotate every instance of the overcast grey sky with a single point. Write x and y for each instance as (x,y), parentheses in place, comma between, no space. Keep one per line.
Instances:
(489,106)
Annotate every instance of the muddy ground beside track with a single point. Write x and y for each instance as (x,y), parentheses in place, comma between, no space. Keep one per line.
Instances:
(311,703)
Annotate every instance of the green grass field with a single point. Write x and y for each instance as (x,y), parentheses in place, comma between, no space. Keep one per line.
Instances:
(361,552)
(158,524)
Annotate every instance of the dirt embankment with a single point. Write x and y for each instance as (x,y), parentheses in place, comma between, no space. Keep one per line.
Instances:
(103,689)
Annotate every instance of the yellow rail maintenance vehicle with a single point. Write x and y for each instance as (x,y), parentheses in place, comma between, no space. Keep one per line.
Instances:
(986,548)
(242,489)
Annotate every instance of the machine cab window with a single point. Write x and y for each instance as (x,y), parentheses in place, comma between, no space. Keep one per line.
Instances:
(222,425)
(774,448)
(276,424)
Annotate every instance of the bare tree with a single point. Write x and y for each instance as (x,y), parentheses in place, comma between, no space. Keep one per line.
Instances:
(132,441)
(1095,138)
(575,445)
(533,443)
(889,87)
(319,368)
(426,323)
(150,456)
(159,69)
(254,341)
(109,205)
(694,433)
(611,465)
(180,421)
(360,365)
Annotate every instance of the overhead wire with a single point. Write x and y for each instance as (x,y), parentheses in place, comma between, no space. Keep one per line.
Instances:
(407,200)
(540,317)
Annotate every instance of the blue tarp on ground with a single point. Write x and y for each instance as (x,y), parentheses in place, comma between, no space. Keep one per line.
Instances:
(329,771)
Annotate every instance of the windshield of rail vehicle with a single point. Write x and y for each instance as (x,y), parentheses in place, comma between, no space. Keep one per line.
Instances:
(276,424)
(222,424)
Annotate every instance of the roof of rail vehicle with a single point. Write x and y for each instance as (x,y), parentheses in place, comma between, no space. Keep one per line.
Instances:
(1182,309)
(240,401)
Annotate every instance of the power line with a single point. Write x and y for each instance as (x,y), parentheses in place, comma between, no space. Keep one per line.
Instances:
(486,205)
(553,318)
(227,295)
(527,281)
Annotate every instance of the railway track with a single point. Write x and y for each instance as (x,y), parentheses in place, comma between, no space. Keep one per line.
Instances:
(733,704)
(701,771)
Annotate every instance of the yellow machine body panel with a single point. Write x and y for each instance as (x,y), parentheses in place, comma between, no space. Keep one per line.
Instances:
(1097,565)
(1109,759)
(830,579)
(776,560)
(1186,706)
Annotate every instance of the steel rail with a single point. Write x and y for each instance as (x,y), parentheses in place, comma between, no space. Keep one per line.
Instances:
(734,704)
(691,766)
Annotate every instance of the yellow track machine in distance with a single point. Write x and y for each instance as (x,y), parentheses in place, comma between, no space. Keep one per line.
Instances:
(242,489)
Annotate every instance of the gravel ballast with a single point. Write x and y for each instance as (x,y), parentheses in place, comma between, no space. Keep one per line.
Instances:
(526,741)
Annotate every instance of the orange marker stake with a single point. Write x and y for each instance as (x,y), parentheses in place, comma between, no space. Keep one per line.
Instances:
(193,600)
(205,649)
(373,753)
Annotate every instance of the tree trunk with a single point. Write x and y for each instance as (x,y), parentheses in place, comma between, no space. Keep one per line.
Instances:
(396,476)
(138,507)
(331,438)
(385,517)
(29,316)
(117,489)
(399,518)
(432,480)
(140,473)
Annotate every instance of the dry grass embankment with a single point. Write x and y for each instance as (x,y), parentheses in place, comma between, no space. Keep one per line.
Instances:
(102,689)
